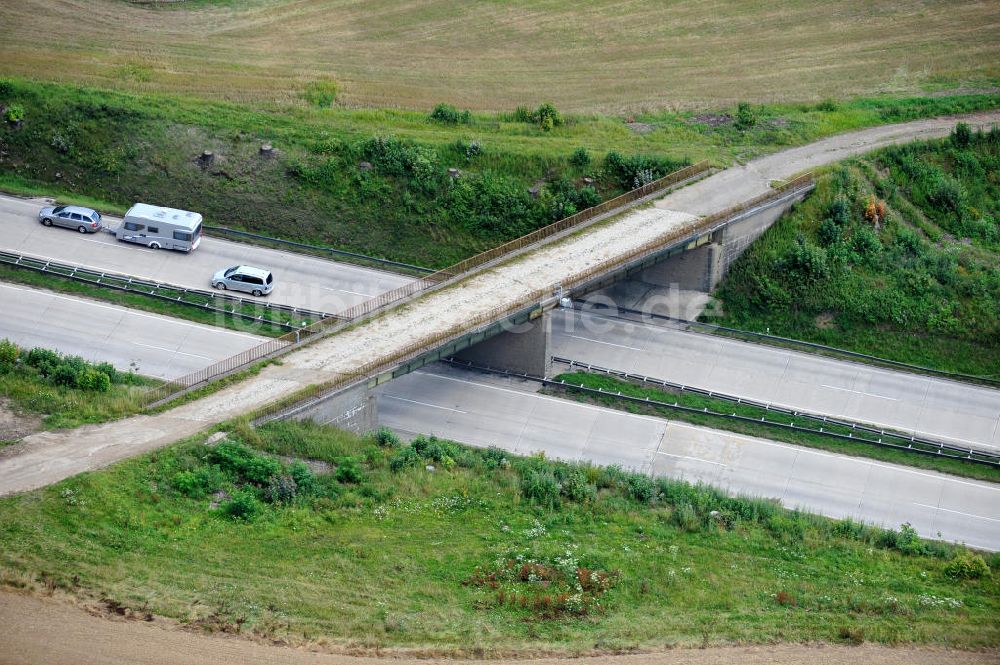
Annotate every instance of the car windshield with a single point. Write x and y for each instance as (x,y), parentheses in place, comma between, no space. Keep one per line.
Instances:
(231,271)
(58,209)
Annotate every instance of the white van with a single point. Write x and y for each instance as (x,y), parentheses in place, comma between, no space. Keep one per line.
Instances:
(157,227)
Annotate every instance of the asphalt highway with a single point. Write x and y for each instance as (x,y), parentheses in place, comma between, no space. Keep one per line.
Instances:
(924,406)
(153,345)
(300,281)
(486,410)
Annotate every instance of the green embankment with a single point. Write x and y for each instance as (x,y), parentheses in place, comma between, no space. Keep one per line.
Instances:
(486,554)
(895,255)
(119,148)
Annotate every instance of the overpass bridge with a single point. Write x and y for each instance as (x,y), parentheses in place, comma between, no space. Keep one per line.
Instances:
(399,331)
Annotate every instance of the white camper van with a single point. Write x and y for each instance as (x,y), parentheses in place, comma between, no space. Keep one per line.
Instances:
(157,227)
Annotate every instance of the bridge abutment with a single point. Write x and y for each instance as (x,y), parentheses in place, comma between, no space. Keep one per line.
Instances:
(354,409)
(524,349)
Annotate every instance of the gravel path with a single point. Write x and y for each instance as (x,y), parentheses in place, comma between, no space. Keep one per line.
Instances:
(44,631)
(48,457)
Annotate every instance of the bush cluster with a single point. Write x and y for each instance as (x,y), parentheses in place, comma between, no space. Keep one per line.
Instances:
(321,93)
(637,170)
(60,370)
(546,116)
(449,115)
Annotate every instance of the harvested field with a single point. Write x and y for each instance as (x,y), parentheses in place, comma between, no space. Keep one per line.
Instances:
(608,55)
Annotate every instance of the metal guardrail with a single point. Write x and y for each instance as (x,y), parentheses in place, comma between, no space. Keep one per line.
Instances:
(809,346)
(163,291)
(354,256)
(358,312)
(883,440)
(912,441)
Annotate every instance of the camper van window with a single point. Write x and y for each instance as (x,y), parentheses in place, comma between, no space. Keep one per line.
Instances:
(182,235)
(154,229)
(132,226)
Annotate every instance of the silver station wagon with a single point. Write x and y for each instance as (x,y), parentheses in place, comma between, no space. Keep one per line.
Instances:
(82,219)
(256,281)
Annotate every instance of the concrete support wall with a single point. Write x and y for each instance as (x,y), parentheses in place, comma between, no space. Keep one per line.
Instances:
(524,349)
(695,270)
(354,409)
(701,268)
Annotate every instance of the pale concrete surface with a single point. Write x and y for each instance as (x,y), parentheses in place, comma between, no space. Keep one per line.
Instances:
(54,456)
(925,406)
(740,183)
(487,410)
(150,344)
(48,631)
(300,281)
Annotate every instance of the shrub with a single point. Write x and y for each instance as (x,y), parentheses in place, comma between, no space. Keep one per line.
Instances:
(348,471)
(240,460)
(109,369)
(580,157)
(9,351)
(961,136)
(685,517)
(851,635)
(199,482)
(281,489)
(6,87)
(829,232)
(947,195)
(866,243)
(44,360)
(746,117)
(540,487)
(839,211)
(827,106)
(494,458)
(805,263)
(577,488)
(386,438)
(547,117)
(321,93)
(404,459)
(641,488)
(92,379)
(303,476)
(68,371)
(612,477)
(14,113)
(242,507)
(448,114)
(967,566)
(474,149)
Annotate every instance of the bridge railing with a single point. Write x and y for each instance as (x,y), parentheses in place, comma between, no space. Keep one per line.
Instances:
(285,343)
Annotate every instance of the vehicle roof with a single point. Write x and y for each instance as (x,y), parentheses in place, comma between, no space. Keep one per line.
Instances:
(80,210)
(252,271)
(184,218)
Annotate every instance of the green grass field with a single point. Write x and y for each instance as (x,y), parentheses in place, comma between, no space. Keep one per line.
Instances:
(489,554)
(894,255)
(609,56)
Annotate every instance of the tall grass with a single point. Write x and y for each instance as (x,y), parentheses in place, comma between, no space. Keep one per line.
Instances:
(470,557)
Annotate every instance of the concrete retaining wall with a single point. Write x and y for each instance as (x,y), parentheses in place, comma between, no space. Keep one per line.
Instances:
(354,409)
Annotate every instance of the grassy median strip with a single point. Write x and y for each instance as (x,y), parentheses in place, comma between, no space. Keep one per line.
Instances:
(482,554)
(761,429)
(189,311)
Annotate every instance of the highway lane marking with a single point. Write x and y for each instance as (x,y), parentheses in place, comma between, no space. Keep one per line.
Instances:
(799,450)
(858,392)
(957,512)
(541,397)
(182,353)
(696,459)
(135,248)
(413,401)
(366,295)
(806,451)
(597,341)
(125,310)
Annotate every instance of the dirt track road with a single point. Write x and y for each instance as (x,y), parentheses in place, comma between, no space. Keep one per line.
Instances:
(40,631)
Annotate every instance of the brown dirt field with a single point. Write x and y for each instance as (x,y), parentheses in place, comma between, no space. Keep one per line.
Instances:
(604,55)
(48,631)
